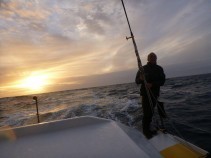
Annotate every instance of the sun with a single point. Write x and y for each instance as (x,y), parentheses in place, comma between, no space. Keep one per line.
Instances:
(34,82)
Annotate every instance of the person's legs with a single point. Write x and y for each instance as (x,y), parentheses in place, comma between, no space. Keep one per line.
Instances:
(147,116)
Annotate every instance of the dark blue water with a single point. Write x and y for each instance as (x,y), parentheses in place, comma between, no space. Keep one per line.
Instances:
(187,103)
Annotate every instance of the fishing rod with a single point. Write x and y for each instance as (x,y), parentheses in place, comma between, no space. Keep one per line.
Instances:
(133,39)
(141,69)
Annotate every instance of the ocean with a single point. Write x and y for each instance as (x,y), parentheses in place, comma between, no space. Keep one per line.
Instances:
(187,101)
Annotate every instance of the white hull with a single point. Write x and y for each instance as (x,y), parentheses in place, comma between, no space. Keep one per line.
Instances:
(83,137)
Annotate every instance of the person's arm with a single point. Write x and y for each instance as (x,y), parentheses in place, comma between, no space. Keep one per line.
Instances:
(139,79)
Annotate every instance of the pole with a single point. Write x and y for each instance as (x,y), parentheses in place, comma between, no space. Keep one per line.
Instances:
(133,39)
(141,69)
(36,101)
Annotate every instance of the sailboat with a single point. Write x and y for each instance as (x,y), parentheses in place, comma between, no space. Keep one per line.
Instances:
(92,137)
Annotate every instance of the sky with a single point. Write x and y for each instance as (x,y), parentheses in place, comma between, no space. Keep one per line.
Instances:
(54,45)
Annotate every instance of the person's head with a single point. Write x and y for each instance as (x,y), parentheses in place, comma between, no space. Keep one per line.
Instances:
(152,58)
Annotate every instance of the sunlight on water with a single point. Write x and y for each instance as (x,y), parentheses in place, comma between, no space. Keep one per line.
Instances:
(184,97)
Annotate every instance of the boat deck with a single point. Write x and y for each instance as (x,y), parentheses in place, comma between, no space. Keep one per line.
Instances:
(84,137)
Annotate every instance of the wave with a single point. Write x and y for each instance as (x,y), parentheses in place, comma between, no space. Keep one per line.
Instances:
(187,100)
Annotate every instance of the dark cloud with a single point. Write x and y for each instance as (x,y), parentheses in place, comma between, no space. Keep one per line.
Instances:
(193,59)
(196,51)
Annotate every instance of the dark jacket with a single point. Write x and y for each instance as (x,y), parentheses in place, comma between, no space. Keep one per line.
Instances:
(154,74)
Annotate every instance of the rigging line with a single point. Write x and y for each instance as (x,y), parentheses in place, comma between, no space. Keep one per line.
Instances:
(154,118)
(184,142)
(186,124)
(197,128)
(176,130)
(157,103)
(149,97)
(172,123)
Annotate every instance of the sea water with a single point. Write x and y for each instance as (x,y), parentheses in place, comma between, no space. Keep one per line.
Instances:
(187,102)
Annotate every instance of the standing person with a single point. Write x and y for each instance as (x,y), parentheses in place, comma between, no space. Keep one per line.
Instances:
(155,77)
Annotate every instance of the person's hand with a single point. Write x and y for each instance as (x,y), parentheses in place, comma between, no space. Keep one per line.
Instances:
(149,85)
(141,77)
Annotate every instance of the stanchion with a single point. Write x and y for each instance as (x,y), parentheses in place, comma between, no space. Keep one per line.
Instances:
(35,98)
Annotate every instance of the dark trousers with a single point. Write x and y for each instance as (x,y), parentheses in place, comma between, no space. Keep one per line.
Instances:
(147,113)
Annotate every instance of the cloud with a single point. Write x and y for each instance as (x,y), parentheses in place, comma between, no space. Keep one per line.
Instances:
(75,39)
(97,80)
(195,51)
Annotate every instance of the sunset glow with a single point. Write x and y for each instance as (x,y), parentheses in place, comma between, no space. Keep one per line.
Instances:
(55,45)
(34,82)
